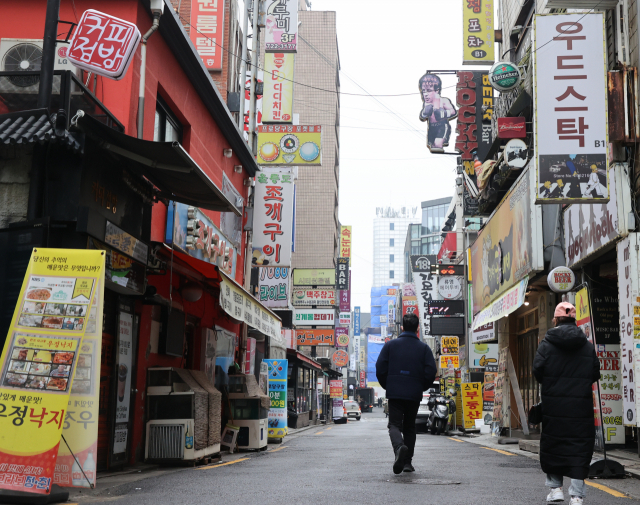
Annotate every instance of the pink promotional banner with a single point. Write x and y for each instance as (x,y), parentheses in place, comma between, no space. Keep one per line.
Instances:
(345,298)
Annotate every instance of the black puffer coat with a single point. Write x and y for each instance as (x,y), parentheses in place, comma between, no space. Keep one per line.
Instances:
(566,365)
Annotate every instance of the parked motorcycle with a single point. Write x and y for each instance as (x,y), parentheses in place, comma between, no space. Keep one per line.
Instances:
(441,408)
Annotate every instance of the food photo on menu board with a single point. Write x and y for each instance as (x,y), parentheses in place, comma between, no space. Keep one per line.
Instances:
(41,362)
(56,303)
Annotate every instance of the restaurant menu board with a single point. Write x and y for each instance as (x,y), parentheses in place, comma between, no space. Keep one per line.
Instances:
(80,429)
(39,360)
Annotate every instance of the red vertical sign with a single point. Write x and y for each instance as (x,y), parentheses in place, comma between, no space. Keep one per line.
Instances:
(207,29)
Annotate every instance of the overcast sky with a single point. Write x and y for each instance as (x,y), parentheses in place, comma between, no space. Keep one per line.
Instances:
(386,47)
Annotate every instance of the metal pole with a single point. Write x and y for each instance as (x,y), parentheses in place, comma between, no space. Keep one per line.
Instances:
(143,72)
(243,64)
(48,53)
(255,41)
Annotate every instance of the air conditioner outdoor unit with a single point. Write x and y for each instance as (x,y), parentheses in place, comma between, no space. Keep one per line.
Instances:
(25,55)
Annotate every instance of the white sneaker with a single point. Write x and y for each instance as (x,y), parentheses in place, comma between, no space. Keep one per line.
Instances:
(576,500)
(556,494)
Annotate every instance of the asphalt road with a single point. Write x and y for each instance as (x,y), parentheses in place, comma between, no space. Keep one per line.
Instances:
(350,464)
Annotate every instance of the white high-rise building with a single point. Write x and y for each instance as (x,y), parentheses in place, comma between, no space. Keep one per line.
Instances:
(389,233)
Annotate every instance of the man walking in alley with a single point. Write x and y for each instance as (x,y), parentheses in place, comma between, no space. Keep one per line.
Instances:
(566,365)
(405,368)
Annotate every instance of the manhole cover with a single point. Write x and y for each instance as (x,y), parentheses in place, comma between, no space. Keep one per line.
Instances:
(426,482)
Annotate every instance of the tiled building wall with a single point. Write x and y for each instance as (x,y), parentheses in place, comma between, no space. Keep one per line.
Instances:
(317,64)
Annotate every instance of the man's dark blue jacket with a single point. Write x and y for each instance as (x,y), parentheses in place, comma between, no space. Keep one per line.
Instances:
(405,367)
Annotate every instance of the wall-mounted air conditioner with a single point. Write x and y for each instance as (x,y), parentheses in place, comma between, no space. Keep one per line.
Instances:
(25,55)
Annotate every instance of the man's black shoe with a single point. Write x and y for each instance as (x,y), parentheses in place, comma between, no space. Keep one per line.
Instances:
(401,455)
(408,467)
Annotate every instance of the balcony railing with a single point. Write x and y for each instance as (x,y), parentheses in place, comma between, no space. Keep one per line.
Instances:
(19,92)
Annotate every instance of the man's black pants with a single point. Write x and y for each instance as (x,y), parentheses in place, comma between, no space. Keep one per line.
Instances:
(402,424)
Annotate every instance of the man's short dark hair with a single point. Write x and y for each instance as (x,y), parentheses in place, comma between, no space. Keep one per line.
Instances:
(565,320)
(410,322)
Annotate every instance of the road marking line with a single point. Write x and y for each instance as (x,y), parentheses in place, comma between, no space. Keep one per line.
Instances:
(329,428)
(455,439)
(606,489)
(498,450)
(318,432)
(222,464)
(279,448)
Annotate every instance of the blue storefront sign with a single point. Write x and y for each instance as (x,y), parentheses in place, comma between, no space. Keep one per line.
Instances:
(277,373)
(356,321)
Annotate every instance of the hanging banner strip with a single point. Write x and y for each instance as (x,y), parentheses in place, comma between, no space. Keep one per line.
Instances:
(39,360)
(503,306)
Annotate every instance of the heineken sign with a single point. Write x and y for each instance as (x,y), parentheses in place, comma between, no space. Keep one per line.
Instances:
(504,76)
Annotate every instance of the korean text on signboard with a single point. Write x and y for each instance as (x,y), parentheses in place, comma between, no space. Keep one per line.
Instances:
(273,219)
(356,321)
(273,286)
(477,32)
(103,44)
(342,337)
(570,121)
(38,363)
(342,273)
(277,105)
(345,242)
(471,403)
(315,337)
(289,145)
(301,297)
(207,31)
(425,285)
(314,277)
(281,33)
(345,298)
(315,317)
(277,370)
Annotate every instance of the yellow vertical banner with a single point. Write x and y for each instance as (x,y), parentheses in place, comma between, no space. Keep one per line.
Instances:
(80,428)
(277,100)
(345,242)
(477,32)
(471,403)
(39,361)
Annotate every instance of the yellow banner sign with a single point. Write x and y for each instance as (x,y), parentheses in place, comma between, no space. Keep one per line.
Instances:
(42,352)
(445,359)
(80,429)
(477,32)
(582,304)
(290,145)
(345,242)
(471,403)
(277,101)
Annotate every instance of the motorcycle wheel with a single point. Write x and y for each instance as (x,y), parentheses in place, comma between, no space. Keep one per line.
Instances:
(433,427)
(440,426)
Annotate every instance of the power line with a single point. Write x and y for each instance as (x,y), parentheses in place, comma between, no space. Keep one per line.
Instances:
(284,78)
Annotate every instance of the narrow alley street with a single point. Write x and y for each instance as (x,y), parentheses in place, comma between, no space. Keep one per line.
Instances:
(352,464)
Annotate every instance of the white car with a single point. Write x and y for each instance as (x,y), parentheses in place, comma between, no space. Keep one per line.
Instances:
(352,409)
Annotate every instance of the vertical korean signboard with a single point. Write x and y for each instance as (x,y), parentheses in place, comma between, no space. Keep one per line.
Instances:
(477,32)
(281,33)
(278,88)
(342,274)
(345,242)
(471,403)
(39,361)
(273,219)
(207,29)
(356,321)
(426,291)
(273,286)
(278,394)
(570,98)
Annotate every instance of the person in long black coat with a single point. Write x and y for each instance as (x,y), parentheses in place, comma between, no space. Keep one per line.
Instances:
(405,368)
(566,365)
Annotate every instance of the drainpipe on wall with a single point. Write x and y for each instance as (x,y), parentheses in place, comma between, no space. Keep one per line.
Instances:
(157,7)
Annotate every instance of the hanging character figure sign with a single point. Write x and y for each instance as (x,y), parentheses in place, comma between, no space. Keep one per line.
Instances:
(438,111)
